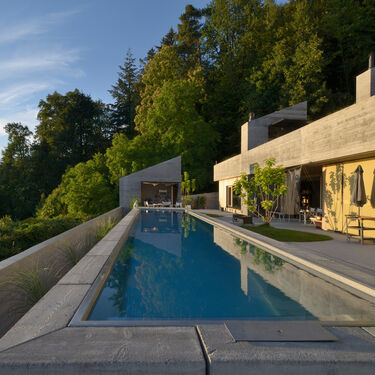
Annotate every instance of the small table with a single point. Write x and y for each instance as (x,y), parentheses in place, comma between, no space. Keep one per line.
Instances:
(317,222)
(246,219)
(359,226)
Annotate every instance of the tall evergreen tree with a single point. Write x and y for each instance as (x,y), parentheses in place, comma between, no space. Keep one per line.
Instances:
(126,95)
(188,35)
(169,39)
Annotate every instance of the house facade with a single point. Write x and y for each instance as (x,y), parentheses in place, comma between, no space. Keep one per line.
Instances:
(324,154)
(155,184)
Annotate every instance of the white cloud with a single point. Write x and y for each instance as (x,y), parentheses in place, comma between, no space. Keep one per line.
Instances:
(32,65)
(12,33)
(15,93)
(27,117)
(38,61)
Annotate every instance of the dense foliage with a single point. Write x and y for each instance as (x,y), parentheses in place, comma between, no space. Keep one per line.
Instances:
(16,236)
(188,96)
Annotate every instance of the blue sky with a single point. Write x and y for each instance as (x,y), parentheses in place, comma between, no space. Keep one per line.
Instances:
(63,45)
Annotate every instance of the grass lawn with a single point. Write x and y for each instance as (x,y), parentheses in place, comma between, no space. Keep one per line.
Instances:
(214,215)
(287,235)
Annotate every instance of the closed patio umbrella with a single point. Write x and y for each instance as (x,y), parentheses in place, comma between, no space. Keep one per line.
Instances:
(358,197)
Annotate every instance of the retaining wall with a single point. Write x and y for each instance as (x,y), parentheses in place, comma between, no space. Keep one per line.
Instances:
(212,199)
(46,254)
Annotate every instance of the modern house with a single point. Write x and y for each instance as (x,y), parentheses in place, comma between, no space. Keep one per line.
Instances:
(161,182)
(320,157)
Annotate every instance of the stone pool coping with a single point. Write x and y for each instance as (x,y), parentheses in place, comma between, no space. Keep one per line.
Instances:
(41,342)
(55,310)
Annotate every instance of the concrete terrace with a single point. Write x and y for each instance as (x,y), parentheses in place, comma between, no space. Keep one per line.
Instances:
(42,342)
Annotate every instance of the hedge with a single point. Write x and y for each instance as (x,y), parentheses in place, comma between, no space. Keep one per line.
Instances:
(16,236)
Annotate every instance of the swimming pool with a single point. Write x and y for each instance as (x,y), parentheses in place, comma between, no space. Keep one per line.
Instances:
(175,268)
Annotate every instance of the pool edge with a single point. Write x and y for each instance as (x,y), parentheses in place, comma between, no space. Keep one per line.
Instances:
(355,287)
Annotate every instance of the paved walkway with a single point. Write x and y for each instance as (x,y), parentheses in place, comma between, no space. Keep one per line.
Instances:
(348,258)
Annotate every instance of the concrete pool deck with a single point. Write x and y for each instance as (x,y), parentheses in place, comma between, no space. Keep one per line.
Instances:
(43,343)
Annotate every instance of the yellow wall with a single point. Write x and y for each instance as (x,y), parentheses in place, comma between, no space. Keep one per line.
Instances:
(338,182)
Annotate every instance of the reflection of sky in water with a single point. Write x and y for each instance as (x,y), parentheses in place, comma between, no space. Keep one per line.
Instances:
(174,266)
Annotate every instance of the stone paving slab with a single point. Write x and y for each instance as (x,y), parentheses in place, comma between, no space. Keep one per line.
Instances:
(104,248)
(114,235)
(354,353)
(51,313)
(98,350)
(85,271)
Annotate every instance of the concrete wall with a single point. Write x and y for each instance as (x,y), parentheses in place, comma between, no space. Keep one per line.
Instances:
(344,135)
(212,199)
(338,182)
(365,85)
(255,132)
(47,254)
(167,171)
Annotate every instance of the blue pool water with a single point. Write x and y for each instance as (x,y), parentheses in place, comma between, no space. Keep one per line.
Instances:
(176,267)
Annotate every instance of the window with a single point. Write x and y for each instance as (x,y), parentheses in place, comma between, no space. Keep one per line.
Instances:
(232,200)
(236,201)
(229,196)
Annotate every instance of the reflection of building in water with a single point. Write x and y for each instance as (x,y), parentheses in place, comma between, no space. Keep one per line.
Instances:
(325,301)
(162,230)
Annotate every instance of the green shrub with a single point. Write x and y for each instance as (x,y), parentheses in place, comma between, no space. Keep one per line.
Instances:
(16,236)
(132,203)
(200,201)
(71,252)
(31,285)
(104,227)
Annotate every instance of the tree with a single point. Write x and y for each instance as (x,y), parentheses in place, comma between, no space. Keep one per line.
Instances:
(126,95)
(169,39)
(84,191)
(18,147)
(234,33)
(73,126)
(187,187)
(292,71)
(347,29)
(188,36)
(17,189)
(174,126)
(261,192)
(164,66)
